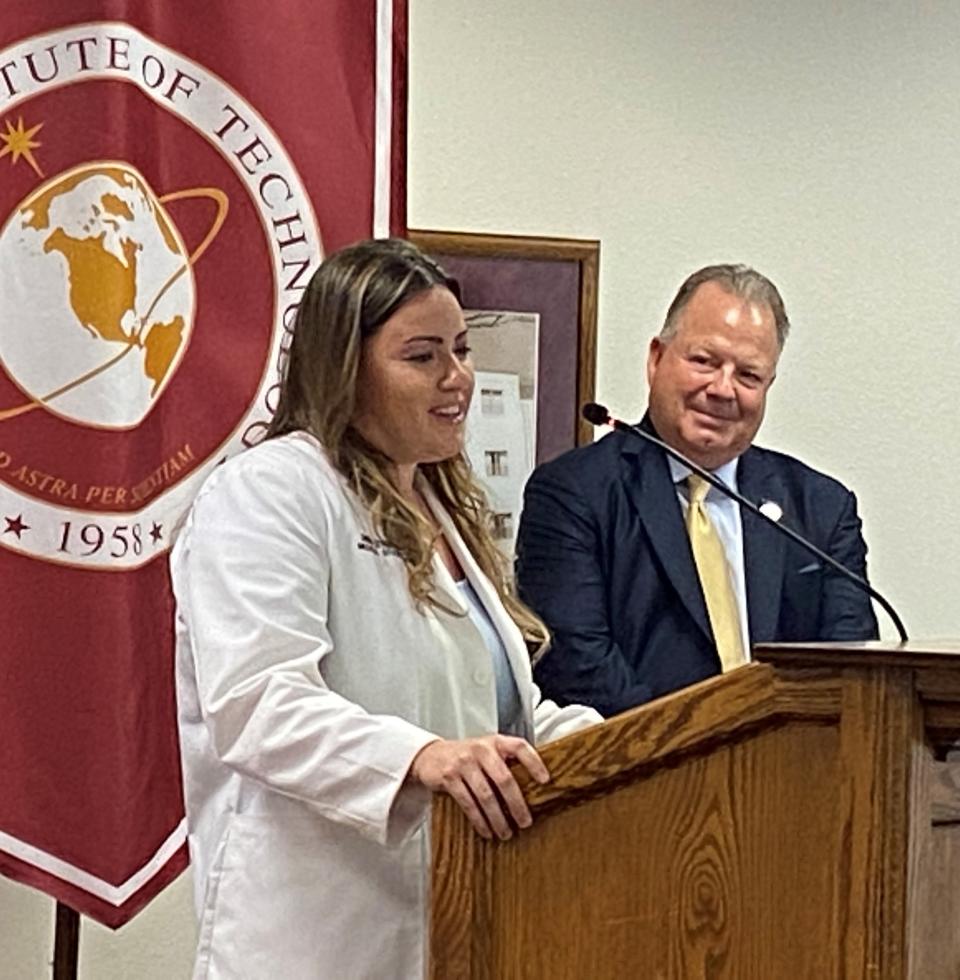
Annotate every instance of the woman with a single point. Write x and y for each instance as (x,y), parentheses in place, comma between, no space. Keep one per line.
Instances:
(347,643)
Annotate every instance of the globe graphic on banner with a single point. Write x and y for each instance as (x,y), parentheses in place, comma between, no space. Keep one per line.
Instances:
(96,296)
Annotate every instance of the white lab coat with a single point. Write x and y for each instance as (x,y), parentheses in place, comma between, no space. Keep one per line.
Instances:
(307,681)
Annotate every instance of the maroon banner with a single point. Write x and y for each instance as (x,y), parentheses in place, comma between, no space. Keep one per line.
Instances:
(171,173)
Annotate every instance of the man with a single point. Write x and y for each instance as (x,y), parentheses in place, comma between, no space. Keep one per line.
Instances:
(649,582)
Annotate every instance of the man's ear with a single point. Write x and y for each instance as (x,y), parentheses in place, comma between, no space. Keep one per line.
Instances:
(654,353)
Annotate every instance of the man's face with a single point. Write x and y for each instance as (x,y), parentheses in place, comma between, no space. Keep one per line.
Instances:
(709,381)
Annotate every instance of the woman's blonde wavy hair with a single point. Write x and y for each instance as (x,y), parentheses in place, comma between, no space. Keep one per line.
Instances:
(352,294)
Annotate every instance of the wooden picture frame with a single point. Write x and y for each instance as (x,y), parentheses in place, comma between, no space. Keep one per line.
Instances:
(556,278)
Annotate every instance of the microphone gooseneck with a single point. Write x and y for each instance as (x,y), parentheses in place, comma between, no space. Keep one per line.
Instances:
(597,414)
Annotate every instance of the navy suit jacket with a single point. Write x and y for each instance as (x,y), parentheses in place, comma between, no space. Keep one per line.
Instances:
(603,556)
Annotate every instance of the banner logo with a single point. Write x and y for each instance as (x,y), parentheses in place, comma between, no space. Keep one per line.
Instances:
(147,288)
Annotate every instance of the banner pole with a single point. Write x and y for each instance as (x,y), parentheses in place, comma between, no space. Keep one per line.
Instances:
(66,943)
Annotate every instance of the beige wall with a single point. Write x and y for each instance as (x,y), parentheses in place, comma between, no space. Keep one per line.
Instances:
(820,144)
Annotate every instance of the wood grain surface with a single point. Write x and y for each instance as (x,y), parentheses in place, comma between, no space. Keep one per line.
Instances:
(696,719)
(881,720)
(792,819)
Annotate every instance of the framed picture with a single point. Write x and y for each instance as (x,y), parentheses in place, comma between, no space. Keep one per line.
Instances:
(531,306)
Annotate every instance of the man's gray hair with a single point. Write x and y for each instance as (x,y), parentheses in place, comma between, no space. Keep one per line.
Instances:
(739,280)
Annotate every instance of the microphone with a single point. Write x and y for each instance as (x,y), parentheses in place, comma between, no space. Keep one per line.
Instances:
(598,415)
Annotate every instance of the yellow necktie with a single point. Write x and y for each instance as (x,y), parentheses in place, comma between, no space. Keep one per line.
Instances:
(711,561)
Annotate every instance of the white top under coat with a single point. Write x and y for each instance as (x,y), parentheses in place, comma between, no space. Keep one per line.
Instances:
(508,700)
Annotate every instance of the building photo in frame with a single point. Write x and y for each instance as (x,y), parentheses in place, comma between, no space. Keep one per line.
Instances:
(531,309)
(502,422)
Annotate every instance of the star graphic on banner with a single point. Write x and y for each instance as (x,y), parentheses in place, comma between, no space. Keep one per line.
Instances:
(16,526)
(156,532)
(19,142)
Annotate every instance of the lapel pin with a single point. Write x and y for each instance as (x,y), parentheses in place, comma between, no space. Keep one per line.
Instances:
(771,509)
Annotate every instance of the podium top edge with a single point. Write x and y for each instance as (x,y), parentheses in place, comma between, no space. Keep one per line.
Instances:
(913,653)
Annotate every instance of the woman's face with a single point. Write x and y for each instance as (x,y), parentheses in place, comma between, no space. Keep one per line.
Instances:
(415,381)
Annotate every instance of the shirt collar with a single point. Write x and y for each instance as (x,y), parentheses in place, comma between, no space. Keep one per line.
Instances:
(727,473)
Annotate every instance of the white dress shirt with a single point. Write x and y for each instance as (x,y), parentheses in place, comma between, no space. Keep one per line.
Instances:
(726,518)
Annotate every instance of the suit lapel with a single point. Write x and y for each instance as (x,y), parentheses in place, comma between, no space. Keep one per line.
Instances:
(648,484)
(763,547)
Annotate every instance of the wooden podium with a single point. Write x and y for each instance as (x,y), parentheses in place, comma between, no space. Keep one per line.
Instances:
(796,818)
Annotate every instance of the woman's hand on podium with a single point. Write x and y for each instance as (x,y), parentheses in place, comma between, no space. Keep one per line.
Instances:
(474,772)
